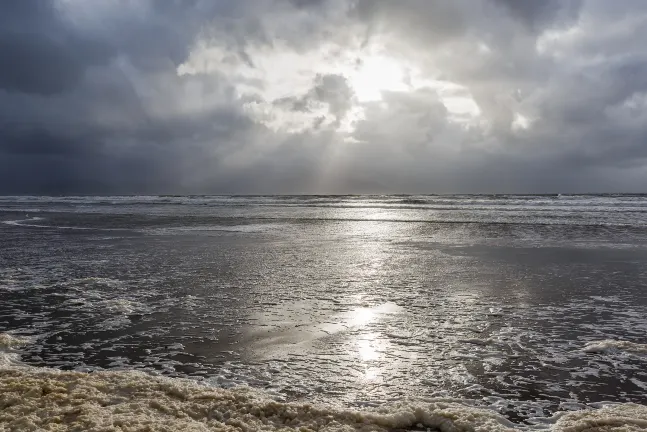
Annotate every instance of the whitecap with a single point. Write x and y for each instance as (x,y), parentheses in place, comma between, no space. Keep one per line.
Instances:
(613,346)
(43,398)
(9,341)
(8,345)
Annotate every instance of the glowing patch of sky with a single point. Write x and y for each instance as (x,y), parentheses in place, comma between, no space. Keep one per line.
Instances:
(283,73)
(520,122)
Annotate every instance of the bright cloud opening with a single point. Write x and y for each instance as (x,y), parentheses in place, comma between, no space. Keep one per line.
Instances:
(375,75)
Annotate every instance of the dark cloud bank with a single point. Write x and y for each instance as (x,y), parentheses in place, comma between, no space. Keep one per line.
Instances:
(183,97)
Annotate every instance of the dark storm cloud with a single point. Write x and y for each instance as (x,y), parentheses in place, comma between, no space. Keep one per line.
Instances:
(25,59)
(39,53)
(42,142)
(189,96)
(75,115)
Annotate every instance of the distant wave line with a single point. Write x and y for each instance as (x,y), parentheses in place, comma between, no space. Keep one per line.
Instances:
(350,219)
(587,208)
(19,223)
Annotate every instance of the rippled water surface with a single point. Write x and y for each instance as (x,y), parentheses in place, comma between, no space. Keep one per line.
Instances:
(525,304)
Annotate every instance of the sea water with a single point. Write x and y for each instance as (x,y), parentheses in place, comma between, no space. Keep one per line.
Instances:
(327,313)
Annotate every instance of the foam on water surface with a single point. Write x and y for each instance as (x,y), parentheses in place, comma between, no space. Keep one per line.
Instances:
(45,399)
(8,345)
(8,341)
(600,210)
(35,222)
(515,307)
(612,346)
(29,222)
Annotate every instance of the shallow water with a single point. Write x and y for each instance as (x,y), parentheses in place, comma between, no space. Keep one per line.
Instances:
(528,306)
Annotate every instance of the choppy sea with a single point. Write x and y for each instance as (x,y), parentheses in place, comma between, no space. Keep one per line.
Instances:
(374,313)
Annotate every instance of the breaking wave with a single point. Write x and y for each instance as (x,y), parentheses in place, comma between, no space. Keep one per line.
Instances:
(8,341)
(611,346)
(36,399)
(29,223)
(48,399)
(26,222)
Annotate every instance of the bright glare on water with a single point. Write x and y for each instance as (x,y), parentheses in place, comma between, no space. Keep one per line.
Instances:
(527,305)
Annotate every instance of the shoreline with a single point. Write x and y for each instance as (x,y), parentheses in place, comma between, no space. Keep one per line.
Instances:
(39,398)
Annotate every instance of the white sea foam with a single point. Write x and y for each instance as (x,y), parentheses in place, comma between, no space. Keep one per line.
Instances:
(611,346)
(9,341)
(243,228)
(8,356)
(46,399)
(614,418)
(122,306)
(30,224)
(36,399)
(26,222)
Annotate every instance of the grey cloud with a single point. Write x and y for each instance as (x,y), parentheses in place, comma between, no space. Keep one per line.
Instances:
(330,89)
(39,53)
(292,103)
(23,15)
(42,142)
(335,91)
(96,106)
(540,13)
(307,3)
(73,120)
(413,120)
(430,22)
(25,61)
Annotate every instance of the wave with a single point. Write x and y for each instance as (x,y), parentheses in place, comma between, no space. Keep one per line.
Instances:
(28,223)
(412,201)
(239,228)
(9,341)
(36,398)
(282,200)
(612,346)
(8,355)
(599,210)
(264,222)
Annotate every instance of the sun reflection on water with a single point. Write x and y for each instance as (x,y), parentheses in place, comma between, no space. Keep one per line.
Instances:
(366,347)
(362,316)
(371,373)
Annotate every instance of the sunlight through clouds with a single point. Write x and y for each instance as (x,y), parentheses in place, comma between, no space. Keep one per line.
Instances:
(280,89)
(374,75)
(325,96)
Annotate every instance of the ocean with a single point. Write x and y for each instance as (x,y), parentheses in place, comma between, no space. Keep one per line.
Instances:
(330,313)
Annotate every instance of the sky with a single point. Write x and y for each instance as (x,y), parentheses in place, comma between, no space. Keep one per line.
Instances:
(322,96)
